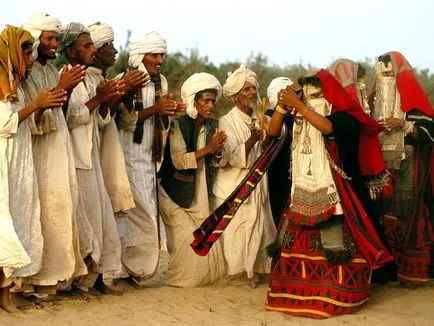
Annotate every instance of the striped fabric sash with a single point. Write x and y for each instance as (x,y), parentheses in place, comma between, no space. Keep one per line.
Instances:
(213,227)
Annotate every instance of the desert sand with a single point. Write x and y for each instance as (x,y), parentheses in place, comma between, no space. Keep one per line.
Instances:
(159,304)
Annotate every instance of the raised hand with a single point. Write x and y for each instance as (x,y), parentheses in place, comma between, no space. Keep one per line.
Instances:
(166,106)
(289,99)
(135,80)
(50,98)
(109,90)
(218,141)
(256,134)
(71,77)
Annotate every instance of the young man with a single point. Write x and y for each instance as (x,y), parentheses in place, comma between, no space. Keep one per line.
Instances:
(99,238)
(19,192)
(141,133)
(187,174)
(252,228)
(326,245)
(403,108)
(54,162)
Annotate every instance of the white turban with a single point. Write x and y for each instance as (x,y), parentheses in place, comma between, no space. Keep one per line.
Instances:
(194,84)
(237,79)
(276,85)
(38,23)
(101,34)
(153,43)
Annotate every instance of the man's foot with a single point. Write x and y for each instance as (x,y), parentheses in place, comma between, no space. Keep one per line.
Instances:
(5,303)
(105,289)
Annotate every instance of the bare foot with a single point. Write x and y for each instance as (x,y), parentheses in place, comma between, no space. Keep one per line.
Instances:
(5,303)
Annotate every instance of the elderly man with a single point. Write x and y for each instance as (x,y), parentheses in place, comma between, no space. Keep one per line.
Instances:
(252,228)
(54,163)
(187,174)
(19,200)
(99,238)
(406,112)
(141,132)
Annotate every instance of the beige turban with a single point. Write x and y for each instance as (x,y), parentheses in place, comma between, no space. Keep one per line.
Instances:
(194,84)
(276,85)
(38,23)
(237,79)
(69,34)
(101,34)
(153,43)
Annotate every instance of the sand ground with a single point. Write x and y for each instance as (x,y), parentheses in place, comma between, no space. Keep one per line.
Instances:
(159,304)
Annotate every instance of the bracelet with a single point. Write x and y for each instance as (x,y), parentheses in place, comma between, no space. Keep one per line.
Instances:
(408,127)
(281,110)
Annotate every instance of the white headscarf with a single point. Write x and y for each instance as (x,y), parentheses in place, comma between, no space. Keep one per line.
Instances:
(101,34)
(153,43)
(236,80)
(194,84)
(276,85)
(38,23)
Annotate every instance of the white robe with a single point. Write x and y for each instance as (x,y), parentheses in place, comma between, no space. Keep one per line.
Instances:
(101,239)
(140,248)
(12,253)
(58,193)
(252,228)
(23,194)
(186,268)
(112,157)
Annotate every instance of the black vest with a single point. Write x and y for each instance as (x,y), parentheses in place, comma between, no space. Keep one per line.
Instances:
(180,184)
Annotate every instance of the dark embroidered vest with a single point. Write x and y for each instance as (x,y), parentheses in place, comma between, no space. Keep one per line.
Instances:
(180,184)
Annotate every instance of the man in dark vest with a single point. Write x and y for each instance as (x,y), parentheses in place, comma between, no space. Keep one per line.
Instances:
(193,146)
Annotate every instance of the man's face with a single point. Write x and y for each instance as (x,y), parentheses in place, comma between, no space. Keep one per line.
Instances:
(206,104)
(247,96)
(84,50)
(49,42)
(107,54)
(153,62)
(28,59)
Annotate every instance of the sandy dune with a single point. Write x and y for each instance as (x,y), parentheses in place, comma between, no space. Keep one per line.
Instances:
(159,304)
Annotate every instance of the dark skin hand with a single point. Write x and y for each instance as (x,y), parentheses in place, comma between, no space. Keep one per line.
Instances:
(165,106)
(48,99)
(135,80)
(216,145)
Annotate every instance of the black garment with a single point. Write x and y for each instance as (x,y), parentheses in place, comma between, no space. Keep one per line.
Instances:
(279,182)
(180,184)
(346,132)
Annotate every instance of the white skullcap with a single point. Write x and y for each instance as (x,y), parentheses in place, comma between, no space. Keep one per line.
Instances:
(38,23)
(194,84)
(276,85)
(237,79)
(101,34)
(153,43)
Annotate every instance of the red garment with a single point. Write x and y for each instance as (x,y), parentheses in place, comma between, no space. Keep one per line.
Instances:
(370,155)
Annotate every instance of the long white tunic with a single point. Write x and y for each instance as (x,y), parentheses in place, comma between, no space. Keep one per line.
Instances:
(140,248)
(252,228)
(57,182)
(23,193)
(101,240)
(12,253)
(112,157)
(186,269)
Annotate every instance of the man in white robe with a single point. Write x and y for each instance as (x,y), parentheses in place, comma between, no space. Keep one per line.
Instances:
(142,125)
(54,163)
(102,249)
(252,228)
(19,198)
(185,205)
